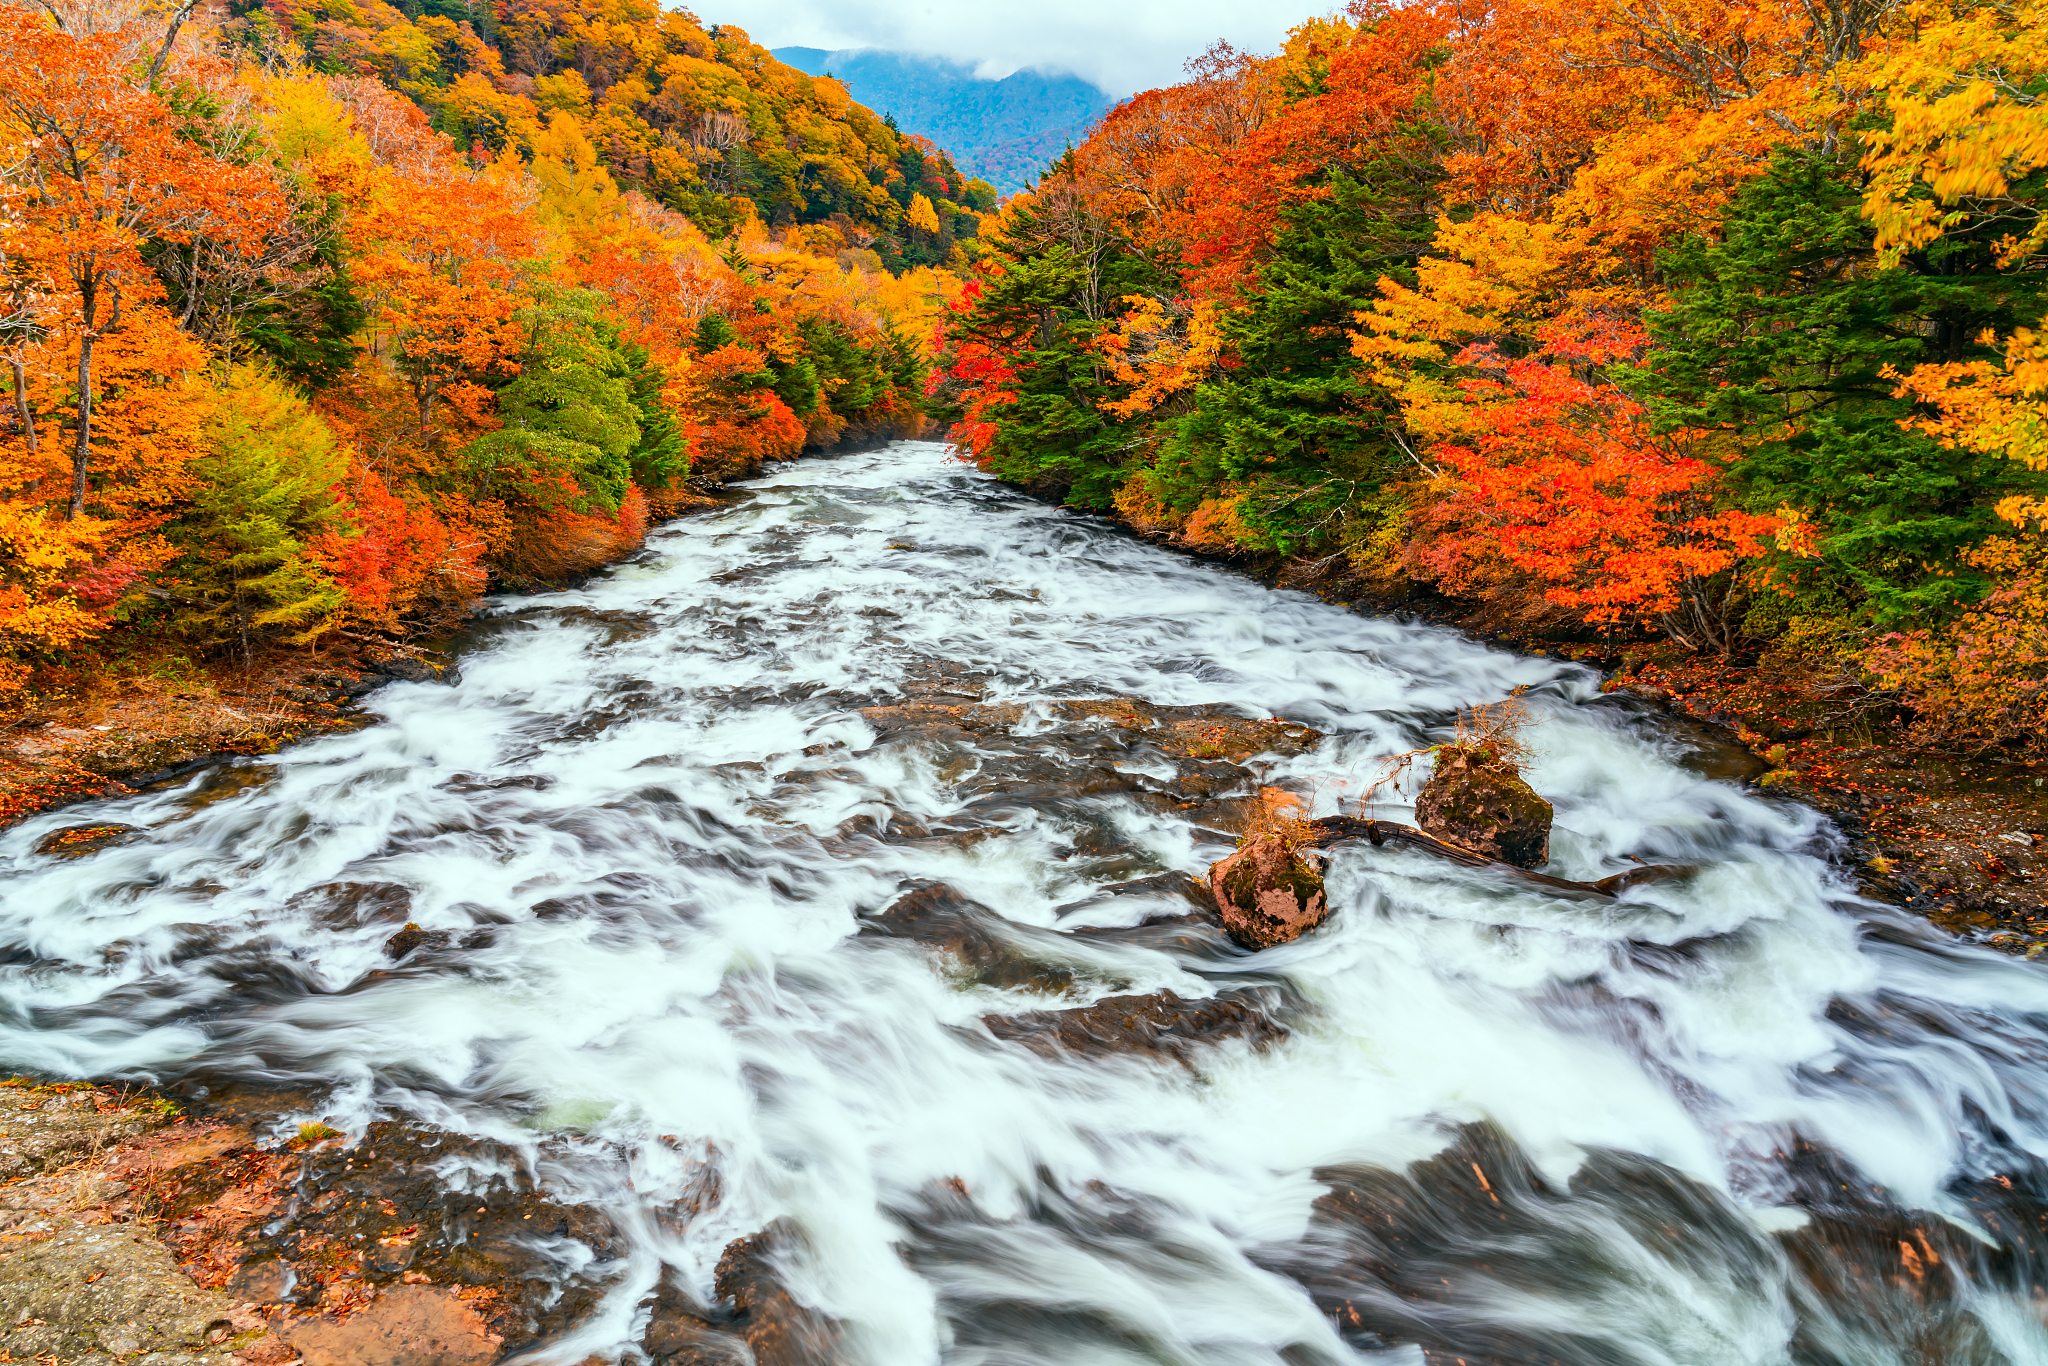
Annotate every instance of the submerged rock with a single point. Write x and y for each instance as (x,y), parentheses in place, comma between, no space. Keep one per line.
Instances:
(1475,800)
(687,1341)
(757,1321)
(76,841)
(1269,892)
(406,669)
(780,1329)
(348,905)
(413,937)
(986,946)
(1164,1023)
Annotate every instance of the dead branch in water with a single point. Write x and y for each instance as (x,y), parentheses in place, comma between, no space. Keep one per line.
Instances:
(1331,830)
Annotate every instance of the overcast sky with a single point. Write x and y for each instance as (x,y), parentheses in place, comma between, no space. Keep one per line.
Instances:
(1122,45)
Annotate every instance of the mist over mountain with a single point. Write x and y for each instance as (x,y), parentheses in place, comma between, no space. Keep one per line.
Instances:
(1004,131)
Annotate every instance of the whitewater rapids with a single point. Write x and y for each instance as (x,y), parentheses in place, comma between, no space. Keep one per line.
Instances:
(651,811)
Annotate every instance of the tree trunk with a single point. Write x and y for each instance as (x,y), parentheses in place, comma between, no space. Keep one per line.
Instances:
(22,409)
(163,53)
(81,454)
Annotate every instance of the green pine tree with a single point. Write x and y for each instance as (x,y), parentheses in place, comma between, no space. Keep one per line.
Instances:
(266,483)
(1787,335)
(661,457)
(571,412)
(1065,272)
(1295,419)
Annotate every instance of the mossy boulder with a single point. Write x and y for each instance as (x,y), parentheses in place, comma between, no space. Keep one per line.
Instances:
(1269,892)
(1475,800)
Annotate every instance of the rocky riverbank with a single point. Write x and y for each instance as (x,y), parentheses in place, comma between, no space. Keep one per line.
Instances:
(137,1230)
(1961,839)
(788,954)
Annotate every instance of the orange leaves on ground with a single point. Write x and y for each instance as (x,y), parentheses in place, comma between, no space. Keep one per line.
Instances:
(1564,479)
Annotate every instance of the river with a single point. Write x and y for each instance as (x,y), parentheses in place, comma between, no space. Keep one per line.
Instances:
(1744,1118)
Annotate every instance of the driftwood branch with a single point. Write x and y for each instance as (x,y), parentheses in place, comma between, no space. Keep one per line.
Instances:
(1337,829)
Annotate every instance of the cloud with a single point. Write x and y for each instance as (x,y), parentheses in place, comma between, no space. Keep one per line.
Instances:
(1122,45)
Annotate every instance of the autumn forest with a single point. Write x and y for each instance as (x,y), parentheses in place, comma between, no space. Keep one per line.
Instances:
(1710,326)
(1707,326)
(321,318)
(1398,714)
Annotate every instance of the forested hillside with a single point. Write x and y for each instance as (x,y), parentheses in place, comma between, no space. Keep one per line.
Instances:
(322,318)
(1005,131)
(1715,325)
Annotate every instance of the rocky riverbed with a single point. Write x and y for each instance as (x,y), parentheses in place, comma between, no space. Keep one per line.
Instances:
(797,947)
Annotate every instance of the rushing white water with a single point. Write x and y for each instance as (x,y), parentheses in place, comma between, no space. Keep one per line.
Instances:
(657,817)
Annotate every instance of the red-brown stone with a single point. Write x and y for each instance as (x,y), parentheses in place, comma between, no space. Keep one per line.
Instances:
(1269,892)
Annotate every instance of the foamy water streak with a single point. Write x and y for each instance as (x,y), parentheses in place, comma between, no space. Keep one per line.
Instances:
(649,809)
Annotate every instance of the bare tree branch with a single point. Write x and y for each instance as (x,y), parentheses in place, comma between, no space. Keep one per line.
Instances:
(163,52)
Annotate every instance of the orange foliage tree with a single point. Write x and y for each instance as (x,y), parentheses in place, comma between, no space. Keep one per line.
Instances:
(1562,476)
(507,351)
(104,173)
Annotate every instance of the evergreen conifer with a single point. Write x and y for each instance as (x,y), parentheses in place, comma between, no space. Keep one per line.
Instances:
(266,482)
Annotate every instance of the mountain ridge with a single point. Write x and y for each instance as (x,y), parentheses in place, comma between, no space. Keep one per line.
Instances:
(1005,131)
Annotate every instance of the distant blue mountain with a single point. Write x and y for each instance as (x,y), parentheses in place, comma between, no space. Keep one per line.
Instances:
(1004,131)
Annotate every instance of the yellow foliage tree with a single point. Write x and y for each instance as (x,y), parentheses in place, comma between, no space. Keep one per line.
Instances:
(1968,122)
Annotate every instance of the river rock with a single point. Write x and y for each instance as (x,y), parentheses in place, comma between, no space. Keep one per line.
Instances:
(47,1126)
(413,937)
(1164,1024)
(1269,892)
(76,841)
(987,947)
(322,1225)
(405,669)
(1475,800)
(780,1329)
(107,1289)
